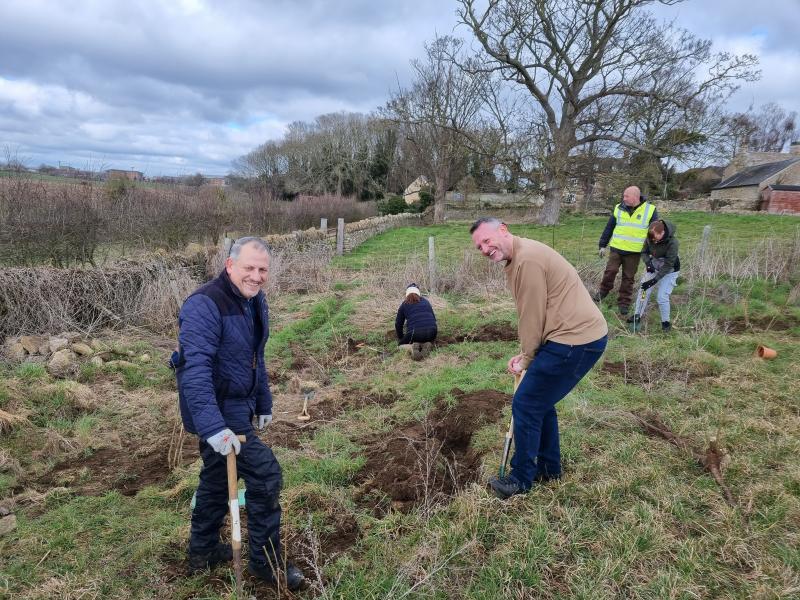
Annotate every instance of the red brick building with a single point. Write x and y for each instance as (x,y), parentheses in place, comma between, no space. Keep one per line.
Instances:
(781,199)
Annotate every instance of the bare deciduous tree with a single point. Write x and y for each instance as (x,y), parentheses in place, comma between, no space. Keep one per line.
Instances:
(443,102)
(340,154)
(768,130)
(584,64)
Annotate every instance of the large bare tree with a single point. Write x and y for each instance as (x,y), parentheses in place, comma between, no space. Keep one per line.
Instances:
(584,65)
(768,130)
(442,103)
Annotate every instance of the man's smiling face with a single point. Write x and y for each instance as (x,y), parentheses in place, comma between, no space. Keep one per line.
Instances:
(249,271)
(494,241)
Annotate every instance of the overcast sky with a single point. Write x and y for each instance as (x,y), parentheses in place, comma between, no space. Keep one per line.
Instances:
(172,87)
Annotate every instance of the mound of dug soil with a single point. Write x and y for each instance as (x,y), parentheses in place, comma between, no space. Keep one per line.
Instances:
(432,459)
(491,332)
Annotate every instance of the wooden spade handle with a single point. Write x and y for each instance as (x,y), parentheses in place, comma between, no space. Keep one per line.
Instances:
(236,526)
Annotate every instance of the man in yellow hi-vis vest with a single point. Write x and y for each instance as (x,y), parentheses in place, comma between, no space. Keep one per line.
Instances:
(625,234)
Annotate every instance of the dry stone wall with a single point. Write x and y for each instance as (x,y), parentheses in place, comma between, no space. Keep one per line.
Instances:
(355,233)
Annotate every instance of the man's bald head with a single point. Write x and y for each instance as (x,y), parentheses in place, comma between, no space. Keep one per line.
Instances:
(631,196)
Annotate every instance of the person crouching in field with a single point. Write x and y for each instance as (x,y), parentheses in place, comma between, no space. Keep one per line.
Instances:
(660,256)
(416,313)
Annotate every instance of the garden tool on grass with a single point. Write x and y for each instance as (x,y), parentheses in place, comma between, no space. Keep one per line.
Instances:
(308,388)
(236,526)
(510,433)
(638,311)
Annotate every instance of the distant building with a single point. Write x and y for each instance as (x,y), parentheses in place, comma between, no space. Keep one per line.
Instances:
(750,173)
(411,193)
(122,174)
(216,181)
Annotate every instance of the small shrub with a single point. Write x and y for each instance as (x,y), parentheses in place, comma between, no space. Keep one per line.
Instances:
(117,188)
(393,205)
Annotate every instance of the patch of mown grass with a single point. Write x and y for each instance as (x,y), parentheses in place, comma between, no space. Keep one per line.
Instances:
(468,366)
(335,462)
(575,237)
(324,328)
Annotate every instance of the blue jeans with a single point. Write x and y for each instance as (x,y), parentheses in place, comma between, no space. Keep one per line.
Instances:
(665,287)
(556,369)
(261,472)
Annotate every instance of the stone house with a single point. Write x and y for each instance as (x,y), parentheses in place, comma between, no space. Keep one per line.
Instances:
(411,193)
(750,173)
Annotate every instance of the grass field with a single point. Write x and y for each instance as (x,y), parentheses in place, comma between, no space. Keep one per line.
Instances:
(384,490)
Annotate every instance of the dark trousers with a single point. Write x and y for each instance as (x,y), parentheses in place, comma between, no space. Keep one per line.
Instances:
(556,369)
(425,334)
(630,264)
(257,465)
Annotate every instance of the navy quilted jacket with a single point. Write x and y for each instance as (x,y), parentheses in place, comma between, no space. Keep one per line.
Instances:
(222,378)
(416,316)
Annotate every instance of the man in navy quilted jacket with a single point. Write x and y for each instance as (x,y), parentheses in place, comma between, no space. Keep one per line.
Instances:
(222,387)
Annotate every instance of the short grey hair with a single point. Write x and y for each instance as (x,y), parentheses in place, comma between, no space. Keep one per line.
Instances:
(236,249)
(491,220)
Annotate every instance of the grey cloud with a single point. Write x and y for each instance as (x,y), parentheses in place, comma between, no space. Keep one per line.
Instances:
(192,84)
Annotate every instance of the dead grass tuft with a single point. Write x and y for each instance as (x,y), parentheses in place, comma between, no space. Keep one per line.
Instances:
(9,421)
(8,463)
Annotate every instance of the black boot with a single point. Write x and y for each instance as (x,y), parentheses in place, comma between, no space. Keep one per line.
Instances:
(199,561)
(294,576)
(505,487)
(666,326)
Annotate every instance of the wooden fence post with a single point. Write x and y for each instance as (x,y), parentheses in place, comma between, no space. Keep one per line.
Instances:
(432,265)
(704,246)
(340,237)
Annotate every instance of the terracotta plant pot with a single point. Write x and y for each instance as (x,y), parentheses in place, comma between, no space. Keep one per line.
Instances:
(766,353)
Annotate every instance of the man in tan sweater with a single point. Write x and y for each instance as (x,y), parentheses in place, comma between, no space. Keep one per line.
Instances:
(561,327)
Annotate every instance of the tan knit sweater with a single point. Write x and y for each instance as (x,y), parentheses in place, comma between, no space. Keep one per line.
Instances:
(552,302)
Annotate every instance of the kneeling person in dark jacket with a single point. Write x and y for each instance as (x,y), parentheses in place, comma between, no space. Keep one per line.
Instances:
(222,386)
(416,313)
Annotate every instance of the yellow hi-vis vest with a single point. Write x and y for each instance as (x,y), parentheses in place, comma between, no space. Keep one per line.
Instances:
(630,232)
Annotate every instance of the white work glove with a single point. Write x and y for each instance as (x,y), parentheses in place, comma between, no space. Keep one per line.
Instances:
(263,421)
(601,252)
(223,441)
